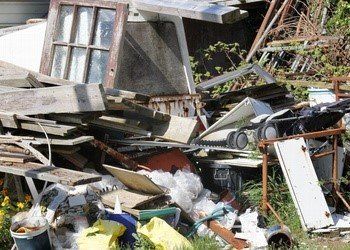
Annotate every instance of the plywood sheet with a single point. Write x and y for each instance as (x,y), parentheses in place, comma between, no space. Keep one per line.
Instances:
(135,181)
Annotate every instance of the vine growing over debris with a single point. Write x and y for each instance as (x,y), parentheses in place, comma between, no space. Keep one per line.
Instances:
(327,58)
(204,69)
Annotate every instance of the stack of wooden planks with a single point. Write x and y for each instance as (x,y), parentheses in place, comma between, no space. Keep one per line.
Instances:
(47,123)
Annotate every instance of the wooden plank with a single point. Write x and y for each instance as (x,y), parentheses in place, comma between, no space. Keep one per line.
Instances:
(76,159)
(167,126)
(303,184)
(192,10)
(40,77)
(43,140)
(5,89)
(64,142)
(52,174)
(9,120)
(63,149)
(75,118)
(63,99)
(14,149)
(178,129)
(118,124)
(135,181)
(116,50)
(128,95)
(61,130)
(15,157)
(120,103)
(18,80)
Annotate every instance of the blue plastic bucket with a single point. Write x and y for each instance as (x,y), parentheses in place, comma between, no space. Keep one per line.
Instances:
(34,240)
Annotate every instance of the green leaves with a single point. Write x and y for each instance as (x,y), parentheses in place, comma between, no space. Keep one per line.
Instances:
(228,55)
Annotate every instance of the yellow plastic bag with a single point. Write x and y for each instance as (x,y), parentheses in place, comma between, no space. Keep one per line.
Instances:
(102,235)
(163,236)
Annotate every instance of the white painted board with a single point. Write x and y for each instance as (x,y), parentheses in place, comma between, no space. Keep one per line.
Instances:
(303,184)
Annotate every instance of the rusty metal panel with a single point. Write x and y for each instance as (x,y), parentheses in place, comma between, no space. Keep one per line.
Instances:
(179,105)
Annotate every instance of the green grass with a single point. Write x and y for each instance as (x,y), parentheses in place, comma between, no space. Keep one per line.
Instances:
(198,243)
(279,198)
(208,243)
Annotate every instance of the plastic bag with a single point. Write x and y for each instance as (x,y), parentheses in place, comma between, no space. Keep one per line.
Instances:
(250,230)
(181,198)
(164,179)
(106,183)
(189,182)
(184,186)
(102,235)
(163,236)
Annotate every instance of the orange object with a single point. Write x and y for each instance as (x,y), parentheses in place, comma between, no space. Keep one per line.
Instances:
(168,161)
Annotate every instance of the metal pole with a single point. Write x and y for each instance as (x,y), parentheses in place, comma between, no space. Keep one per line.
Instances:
(335,163)
(266,32)
(264,23)
(264,180)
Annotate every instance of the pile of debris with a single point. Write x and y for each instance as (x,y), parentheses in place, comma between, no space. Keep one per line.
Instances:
(161,163)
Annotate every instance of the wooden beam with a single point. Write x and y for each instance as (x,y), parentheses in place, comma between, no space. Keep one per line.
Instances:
(76,159)
(119,103)
(40,77)
(123,159)
(15,157)
(192,10)
(19,80)
(43,141)
(63,99)
(128,95)
(75,118)
(61,130)
(51,174)
(120,124)
(63,142)
(8,120)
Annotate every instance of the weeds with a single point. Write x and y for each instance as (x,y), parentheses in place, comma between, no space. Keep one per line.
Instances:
(279,198)
(198,243)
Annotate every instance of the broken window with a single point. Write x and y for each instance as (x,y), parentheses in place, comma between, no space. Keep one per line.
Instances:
(83,40)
